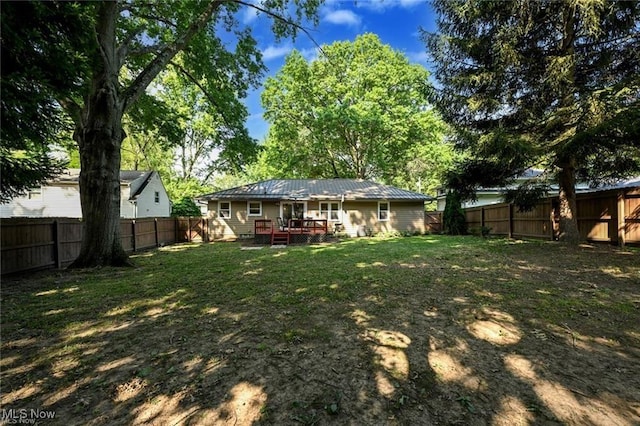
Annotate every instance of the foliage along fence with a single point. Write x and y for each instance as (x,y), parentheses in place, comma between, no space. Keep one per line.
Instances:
(44,243)
(605,216)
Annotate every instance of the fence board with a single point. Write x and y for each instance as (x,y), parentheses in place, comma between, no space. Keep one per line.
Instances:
(433,221)
(598,217)
(39,243)
(69,240)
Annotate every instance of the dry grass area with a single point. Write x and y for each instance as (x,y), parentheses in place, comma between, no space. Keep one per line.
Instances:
(402,331)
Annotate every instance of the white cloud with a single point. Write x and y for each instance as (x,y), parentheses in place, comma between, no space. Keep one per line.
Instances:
(411,3)
(250,14)
(274,52)
(382,5)
(310,54)
(420,57)
(342,17)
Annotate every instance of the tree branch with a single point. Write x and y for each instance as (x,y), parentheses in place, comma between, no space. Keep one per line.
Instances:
(167,22)
(139,85)
(286,21)
(123,50)
(204,91)
(147,49)
(72,108)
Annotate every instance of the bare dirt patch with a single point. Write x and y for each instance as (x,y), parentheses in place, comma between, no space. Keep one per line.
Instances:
(422,330)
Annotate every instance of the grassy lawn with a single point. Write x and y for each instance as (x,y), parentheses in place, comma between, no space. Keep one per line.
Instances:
(421,330)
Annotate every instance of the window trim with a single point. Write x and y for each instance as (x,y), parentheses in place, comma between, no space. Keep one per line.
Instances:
(388,210)
(249,208)
(156,197)
(220,209)
(330,210)
(35,193)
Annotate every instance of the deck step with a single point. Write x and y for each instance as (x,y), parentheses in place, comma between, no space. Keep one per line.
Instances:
(280,238)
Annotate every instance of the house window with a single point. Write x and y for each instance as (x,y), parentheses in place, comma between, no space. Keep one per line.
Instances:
(330,211)
(35,193)
(383,210)
(156,197)
(224,209)
(254,208)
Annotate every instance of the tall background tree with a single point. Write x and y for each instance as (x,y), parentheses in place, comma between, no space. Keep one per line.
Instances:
(125,46)
(359,110)
(553,84)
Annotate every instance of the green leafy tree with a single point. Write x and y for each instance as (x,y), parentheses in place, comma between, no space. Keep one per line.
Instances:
(212,139)
(185,207)
(546,83)
(359,110)
(36,35)
(143,39)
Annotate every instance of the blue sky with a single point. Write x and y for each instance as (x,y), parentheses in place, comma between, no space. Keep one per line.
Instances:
(396,22)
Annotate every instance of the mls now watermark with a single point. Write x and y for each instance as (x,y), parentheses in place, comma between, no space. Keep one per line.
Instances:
(25,416)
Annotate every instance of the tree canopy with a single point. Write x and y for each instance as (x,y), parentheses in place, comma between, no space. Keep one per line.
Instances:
(121,48)
(553,84)
(358,110)
(35,36)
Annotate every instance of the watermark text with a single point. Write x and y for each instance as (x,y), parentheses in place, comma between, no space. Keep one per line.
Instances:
(25,416)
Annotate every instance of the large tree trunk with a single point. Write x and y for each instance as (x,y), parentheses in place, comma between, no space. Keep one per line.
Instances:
(568,208)
(99,132)
(99,135)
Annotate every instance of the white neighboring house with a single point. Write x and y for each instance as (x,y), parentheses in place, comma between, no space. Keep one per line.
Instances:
(142,194)
(488,196)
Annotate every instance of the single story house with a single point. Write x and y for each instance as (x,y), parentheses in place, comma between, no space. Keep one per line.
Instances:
(142,194)
(357,207)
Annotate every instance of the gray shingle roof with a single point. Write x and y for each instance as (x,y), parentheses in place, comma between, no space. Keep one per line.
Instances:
(126,176)
(306,189)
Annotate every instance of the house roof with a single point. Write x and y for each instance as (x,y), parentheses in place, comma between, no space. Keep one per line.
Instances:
(126,176)
(137,179)
(306,189)
(621,184)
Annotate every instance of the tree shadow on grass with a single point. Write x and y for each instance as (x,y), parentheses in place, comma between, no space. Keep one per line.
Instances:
(361,333)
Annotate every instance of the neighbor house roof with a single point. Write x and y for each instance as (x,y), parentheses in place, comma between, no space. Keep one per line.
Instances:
(138,179)
(633,182)
(306,189)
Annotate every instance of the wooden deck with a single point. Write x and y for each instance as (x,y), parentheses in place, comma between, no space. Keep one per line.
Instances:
(296,231)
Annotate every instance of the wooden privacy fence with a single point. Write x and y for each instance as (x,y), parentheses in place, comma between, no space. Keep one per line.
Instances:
(433,222)
(606,216)
(42,243)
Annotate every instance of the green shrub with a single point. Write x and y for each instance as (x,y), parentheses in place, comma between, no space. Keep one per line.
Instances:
(185,207)
(453,218)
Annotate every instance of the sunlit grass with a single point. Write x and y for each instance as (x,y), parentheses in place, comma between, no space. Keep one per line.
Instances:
(188,309)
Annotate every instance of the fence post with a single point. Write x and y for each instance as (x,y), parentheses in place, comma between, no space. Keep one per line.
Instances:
(622,232)
(133,231)
(155,228)
(481,220)
(510,220)
(552,231)
(56,244)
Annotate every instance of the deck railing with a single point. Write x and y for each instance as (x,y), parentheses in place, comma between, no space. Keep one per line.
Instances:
(307,226)
(263,226)
(294,226)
